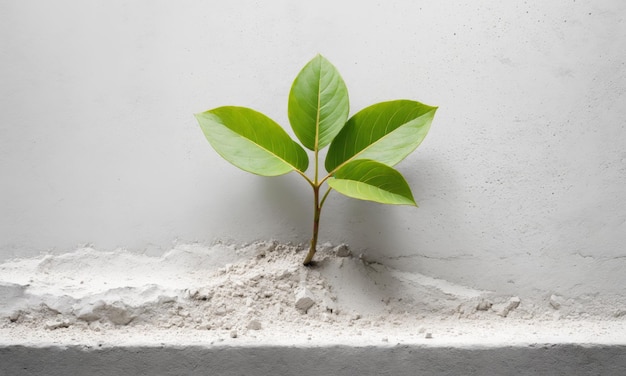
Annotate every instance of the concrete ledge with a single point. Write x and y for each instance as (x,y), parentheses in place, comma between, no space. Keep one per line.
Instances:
(539,359)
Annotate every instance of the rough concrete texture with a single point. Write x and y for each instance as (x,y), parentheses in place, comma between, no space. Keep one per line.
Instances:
(229,288)
(224,310)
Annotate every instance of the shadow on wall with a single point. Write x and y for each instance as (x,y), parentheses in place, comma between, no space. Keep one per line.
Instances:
(386,232)
(255,208)
(400,235)
(288,202)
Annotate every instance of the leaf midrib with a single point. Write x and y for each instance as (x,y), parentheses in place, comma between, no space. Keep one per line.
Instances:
(354,157)
(262,147)
(318,110)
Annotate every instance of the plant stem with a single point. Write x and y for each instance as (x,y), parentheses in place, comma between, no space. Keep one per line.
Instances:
(316,226)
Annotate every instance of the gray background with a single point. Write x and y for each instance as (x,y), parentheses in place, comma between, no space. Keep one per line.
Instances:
(520,181)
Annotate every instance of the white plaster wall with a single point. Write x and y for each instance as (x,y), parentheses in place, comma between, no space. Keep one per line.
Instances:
(520,182)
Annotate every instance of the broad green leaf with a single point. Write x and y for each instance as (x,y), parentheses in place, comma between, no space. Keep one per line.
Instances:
(366,179)
(252,141)
(318,104)
(385,132)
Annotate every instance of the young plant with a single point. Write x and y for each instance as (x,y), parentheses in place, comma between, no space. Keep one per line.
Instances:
(361,152)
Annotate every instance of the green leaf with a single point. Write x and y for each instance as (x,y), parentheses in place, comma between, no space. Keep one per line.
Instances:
(252,141)
(318,104)
(366,179)
(385,132)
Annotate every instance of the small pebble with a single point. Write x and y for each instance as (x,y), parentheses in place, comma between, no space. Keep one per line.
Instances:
(514,302)
(255,325)
(52,325)
(342,250)
(428,335)
(484,305)
(556,301)
(304,299)
(15,316)
(233,334)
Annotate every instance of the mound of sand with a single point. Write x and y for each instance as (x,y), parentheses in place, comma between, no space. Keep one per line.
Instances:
(256,291)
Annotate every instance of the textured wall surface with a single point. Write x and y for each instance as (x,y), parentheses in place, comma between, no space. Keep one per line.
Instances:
(520,182)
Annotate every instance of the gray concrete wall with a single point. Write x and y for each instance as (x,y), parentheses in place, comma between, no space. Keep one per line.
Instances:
(520,182)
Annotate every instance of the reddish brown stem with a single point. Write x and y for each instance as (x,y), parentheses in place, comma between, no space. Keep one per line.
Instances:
(316,226)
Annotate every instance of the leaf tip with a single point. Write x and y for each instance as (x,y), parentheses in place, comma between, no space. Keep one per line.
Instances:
(321,58)
(202,114)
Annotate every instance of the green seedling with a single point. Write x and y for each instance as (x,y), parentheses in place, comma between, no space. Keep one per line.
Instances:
(361,149)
